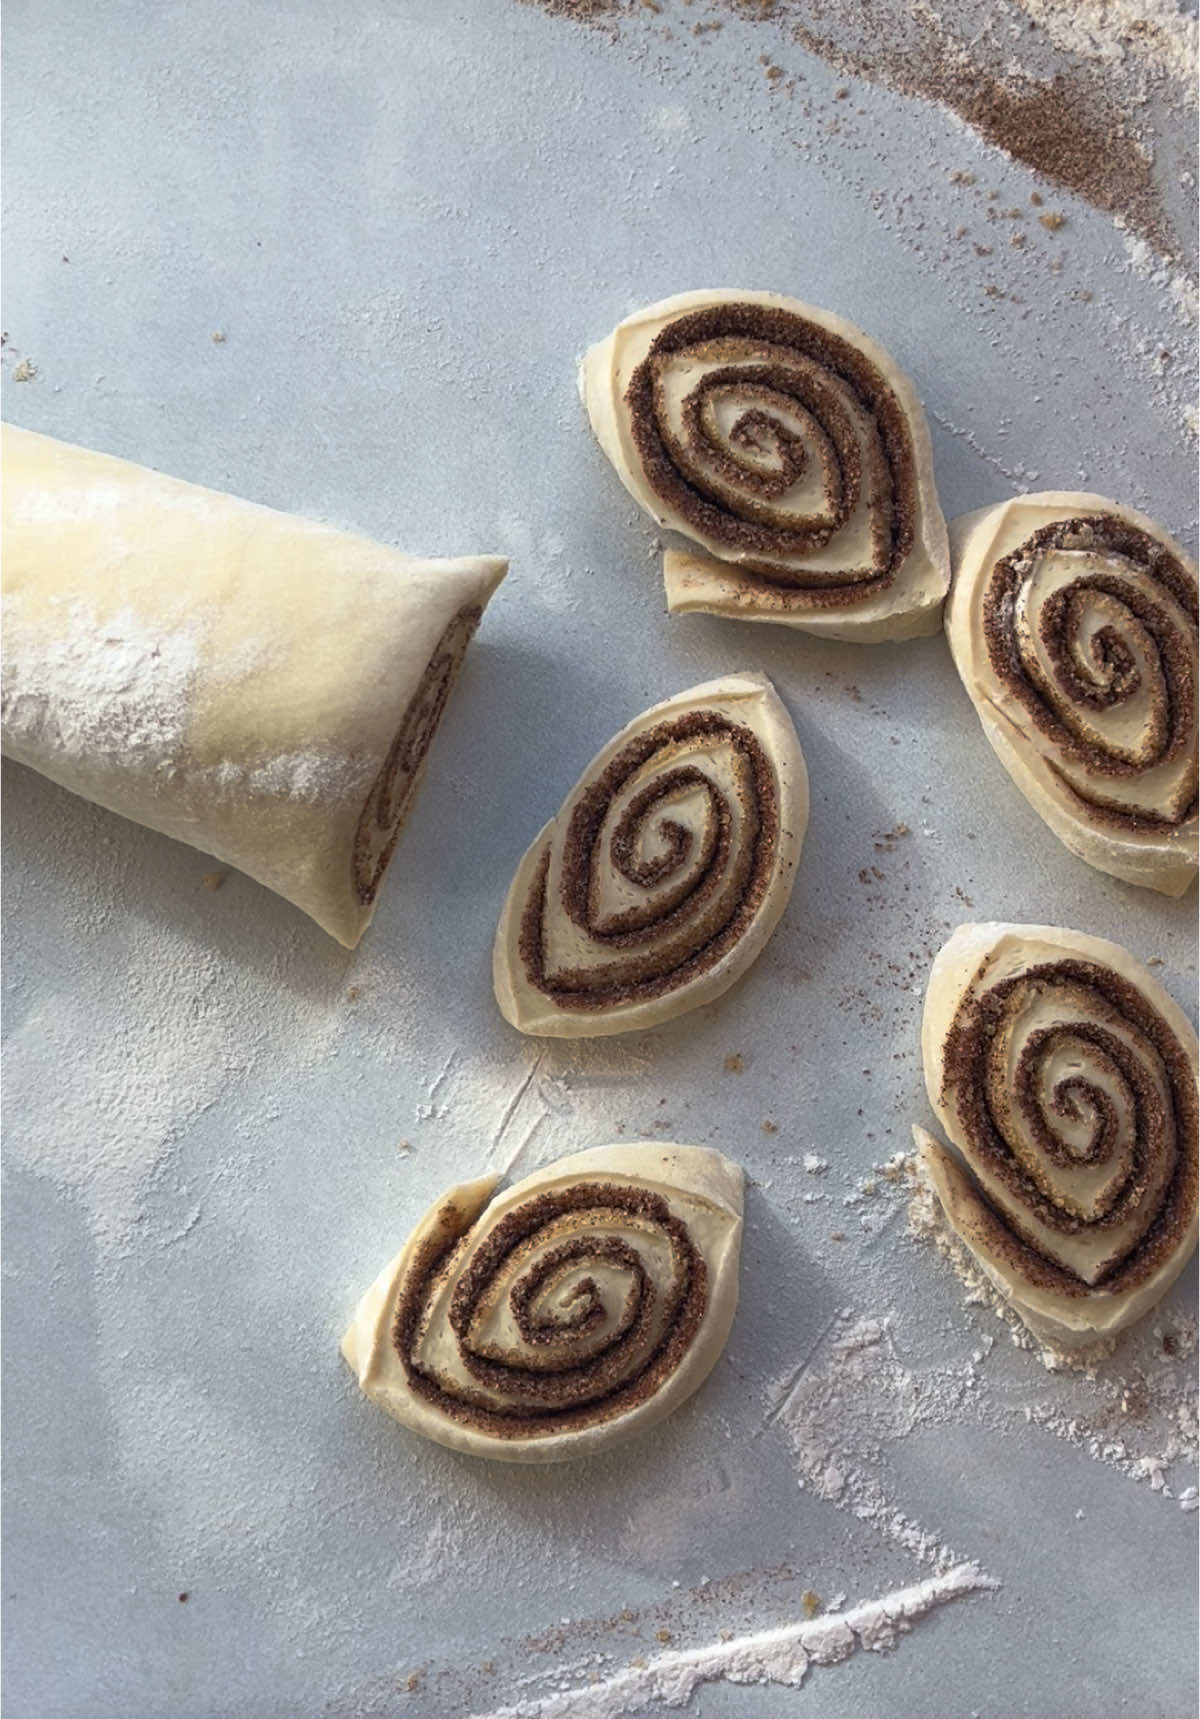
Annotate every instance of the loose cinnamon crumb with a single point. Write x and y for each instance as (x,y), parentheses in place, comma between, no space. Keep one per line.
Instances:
(770,1127)
(734,1063)
(1052,221)
(811,1603)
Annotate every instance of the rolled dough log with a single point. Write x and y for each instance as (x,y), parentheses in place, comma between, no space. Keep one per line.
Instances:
(260,686)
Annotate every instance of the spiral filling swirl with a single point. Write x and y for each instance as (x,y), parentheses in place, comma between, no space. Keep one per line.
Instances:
(781,445)
(1076,1108)
(391,794)
(577,1306)
(1091,625)
(662,865)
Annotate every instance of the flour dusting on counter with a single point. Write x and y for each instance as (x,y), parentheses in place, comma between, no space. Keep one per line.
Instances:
(782,1656)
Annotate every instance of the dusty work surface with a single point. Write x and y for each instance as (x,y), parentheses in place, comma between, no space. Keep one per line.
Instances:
(341,258)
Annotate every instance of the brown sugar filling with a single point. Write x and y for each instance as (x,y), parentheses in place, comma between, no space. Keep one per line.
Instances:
(702,916)
(623,1374)
(968,1050)
(1171,726)
(391,795)
(793,361)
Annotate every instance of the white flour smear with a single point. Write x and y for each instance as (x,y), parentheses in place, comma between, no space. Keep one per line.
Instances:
(858,1393)
(782,1656)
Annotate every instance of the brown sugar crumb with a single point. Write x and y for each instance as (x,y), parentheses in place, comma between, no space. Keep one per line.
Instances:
(885,839)
(734,1063)
(413,1683)
(811,1603)
(213,879)
(1052,221)
(770,1127)
(662,1635)
(1035,197)
(774,73)
(961,178)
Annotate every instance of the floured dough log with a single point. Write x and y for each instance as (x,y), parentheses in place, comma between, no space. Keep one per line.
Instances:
(260,686)
(551,1320)
(1073,623)
(1066,1077)
(791,452)
(665,872)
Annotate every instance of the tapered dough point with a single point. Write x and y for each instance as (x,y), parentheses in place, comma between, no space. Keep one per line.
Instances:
(665,872)
(1073,624)
(1065,1079)
(789,451)
(254,684)
(563,1315)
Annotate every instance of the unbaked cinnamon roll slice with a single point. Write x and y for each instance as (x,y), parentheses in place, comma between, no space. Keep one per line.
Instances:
(791,453)
(665,872)
(1066,1079)
(1073,622)
(563,1314)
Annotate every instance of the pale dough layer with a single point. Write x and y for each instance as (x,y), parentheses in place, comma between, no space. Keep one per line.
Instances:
(705,576)
(702,1189)
(229,675)
(972,962)
(748,700)
(1164,860)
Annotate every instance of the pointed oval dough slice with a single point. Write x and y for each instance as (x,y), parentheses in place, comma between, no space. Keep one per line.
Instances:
(570,1311)
(665,872)
(789,450)
(254,684)
(1073,623)
(1066,1078)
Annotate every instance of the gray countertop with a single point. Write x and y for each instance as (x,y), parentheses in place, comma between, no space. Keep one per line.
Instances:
(405,221)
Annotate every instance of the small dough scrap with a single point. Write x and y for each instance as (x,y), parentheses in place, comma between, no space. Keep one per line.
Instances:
(790,451)
(665,872)
(257,685)
(1073,623)
(1066,1079)
(567,1313)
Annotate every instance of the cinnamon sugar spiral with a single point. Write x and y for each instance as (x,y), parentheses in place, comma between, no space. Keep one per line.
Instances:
(781,445)
(1090,625)
(582,1303)
(696,852)
(664,872)
(573,1309)
(392,791)
(1066,1078)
